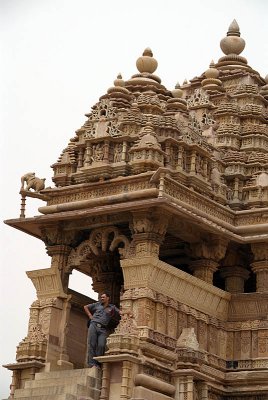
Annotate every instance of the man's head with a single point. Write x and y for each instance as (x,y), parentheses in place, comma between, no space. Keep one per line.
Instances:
(104,298)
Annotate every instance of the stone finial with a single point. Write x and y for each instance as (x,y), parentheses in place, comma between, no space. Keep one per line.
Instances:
(212,72)
(234,29)
(211,82)
(147,63)
(119,81)
(177,92)
(233,43)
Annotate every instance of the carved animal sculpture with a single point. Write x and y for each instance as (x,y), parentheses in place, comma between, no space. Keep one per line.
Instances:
(32,182)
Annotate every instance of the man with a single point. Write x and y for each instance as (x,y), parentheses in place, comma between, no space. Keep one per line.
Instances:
(100,315)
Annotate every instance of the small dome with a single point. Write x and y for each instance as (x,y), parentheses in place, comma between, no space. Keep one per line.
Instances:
(212,72)
(177,92)
(119,81)
(147,63)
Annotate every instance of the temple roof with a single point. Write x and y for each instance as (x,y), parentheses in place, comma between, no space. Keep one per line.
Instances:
(220,115)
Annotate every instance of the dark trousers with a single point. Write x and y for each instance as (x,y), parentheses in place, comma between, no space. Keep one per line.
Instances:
(96,343)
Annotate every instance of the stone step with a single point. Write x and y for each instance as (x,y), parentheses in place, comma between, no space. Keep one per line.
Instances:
(45,397)
(61,381)
(63,373)
(54,390)
(81,384)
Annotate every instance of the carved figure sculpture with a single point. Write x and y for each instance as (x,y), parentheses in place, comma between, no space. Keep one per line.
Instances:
(215,178)
(32,182)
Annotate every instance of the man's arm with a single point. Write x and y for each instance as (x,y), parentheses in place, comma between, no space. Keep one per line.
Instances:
(86,308)
(117,310)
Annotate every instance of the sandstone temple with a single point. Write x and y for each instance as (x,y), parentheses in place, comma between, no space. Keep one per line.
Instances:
(161,197)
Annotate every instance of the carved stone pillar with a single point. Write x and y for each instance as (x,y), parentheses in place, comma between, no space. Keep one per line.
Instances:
(49,315)
(235,278)
(106,151)
(209,252)
(193,162)
(204,269)
(59,258)
(184,388)
(260,265)
(149,231)
(124,151)
(59,245)
(88,154)
(180,159)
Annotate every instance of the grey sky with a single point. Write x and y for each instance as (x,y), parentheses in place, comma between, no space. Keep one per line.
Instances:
(58,58)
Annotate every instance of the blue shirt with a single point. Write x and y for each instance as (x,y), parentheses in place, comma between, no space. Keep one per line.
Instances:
(102,315)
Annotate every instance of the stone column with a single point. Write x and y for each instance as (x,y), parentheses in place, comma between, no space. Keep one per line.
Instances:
(106,151)
(179,164)
(80,158)
(193,162)
(167,151)
(235,278)
(88,154)
(260,265)
(149,231)
(59,258)
(204,269)
(184,388)
(208,252)
(205,168)
(124,151)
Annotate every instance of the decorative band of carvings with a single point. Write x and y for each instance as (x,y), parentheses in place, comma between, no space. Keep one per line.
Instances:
(110,189)
(198,202)
(47,283)
(150,272)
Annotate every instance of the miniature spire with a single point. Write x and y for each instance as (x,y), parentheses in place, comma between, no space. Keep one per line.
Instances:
(147,63)
(212,72)
(211,83)
(264,89)
(177,92)
(176,103)
(119,81)
(118,93)
(233,43)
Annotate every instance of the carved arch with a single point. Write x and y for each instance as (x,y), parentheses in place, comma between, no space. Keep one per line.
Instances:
(97,242)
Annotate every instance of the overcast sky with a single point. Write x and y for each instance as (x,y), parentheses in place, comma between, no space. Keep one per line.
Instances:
(57,58)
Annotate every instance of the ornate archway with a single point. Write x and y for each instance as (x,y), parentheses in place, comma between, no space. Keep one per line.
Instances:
(99,257)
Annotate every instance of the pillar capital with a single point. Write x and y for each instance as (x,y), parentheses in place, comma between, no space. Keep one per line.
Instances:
(260,265)
(235,278)
(260,268)
(204,269)
(260,251)
(213,248)
(148,232)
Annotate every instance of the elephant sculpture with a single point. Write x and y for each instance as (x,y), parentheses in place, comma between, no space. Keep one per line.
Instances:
(32,182)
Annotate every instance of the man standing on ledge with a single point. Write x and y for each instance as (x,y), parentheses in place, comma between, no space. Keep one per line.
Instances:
(100,315)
